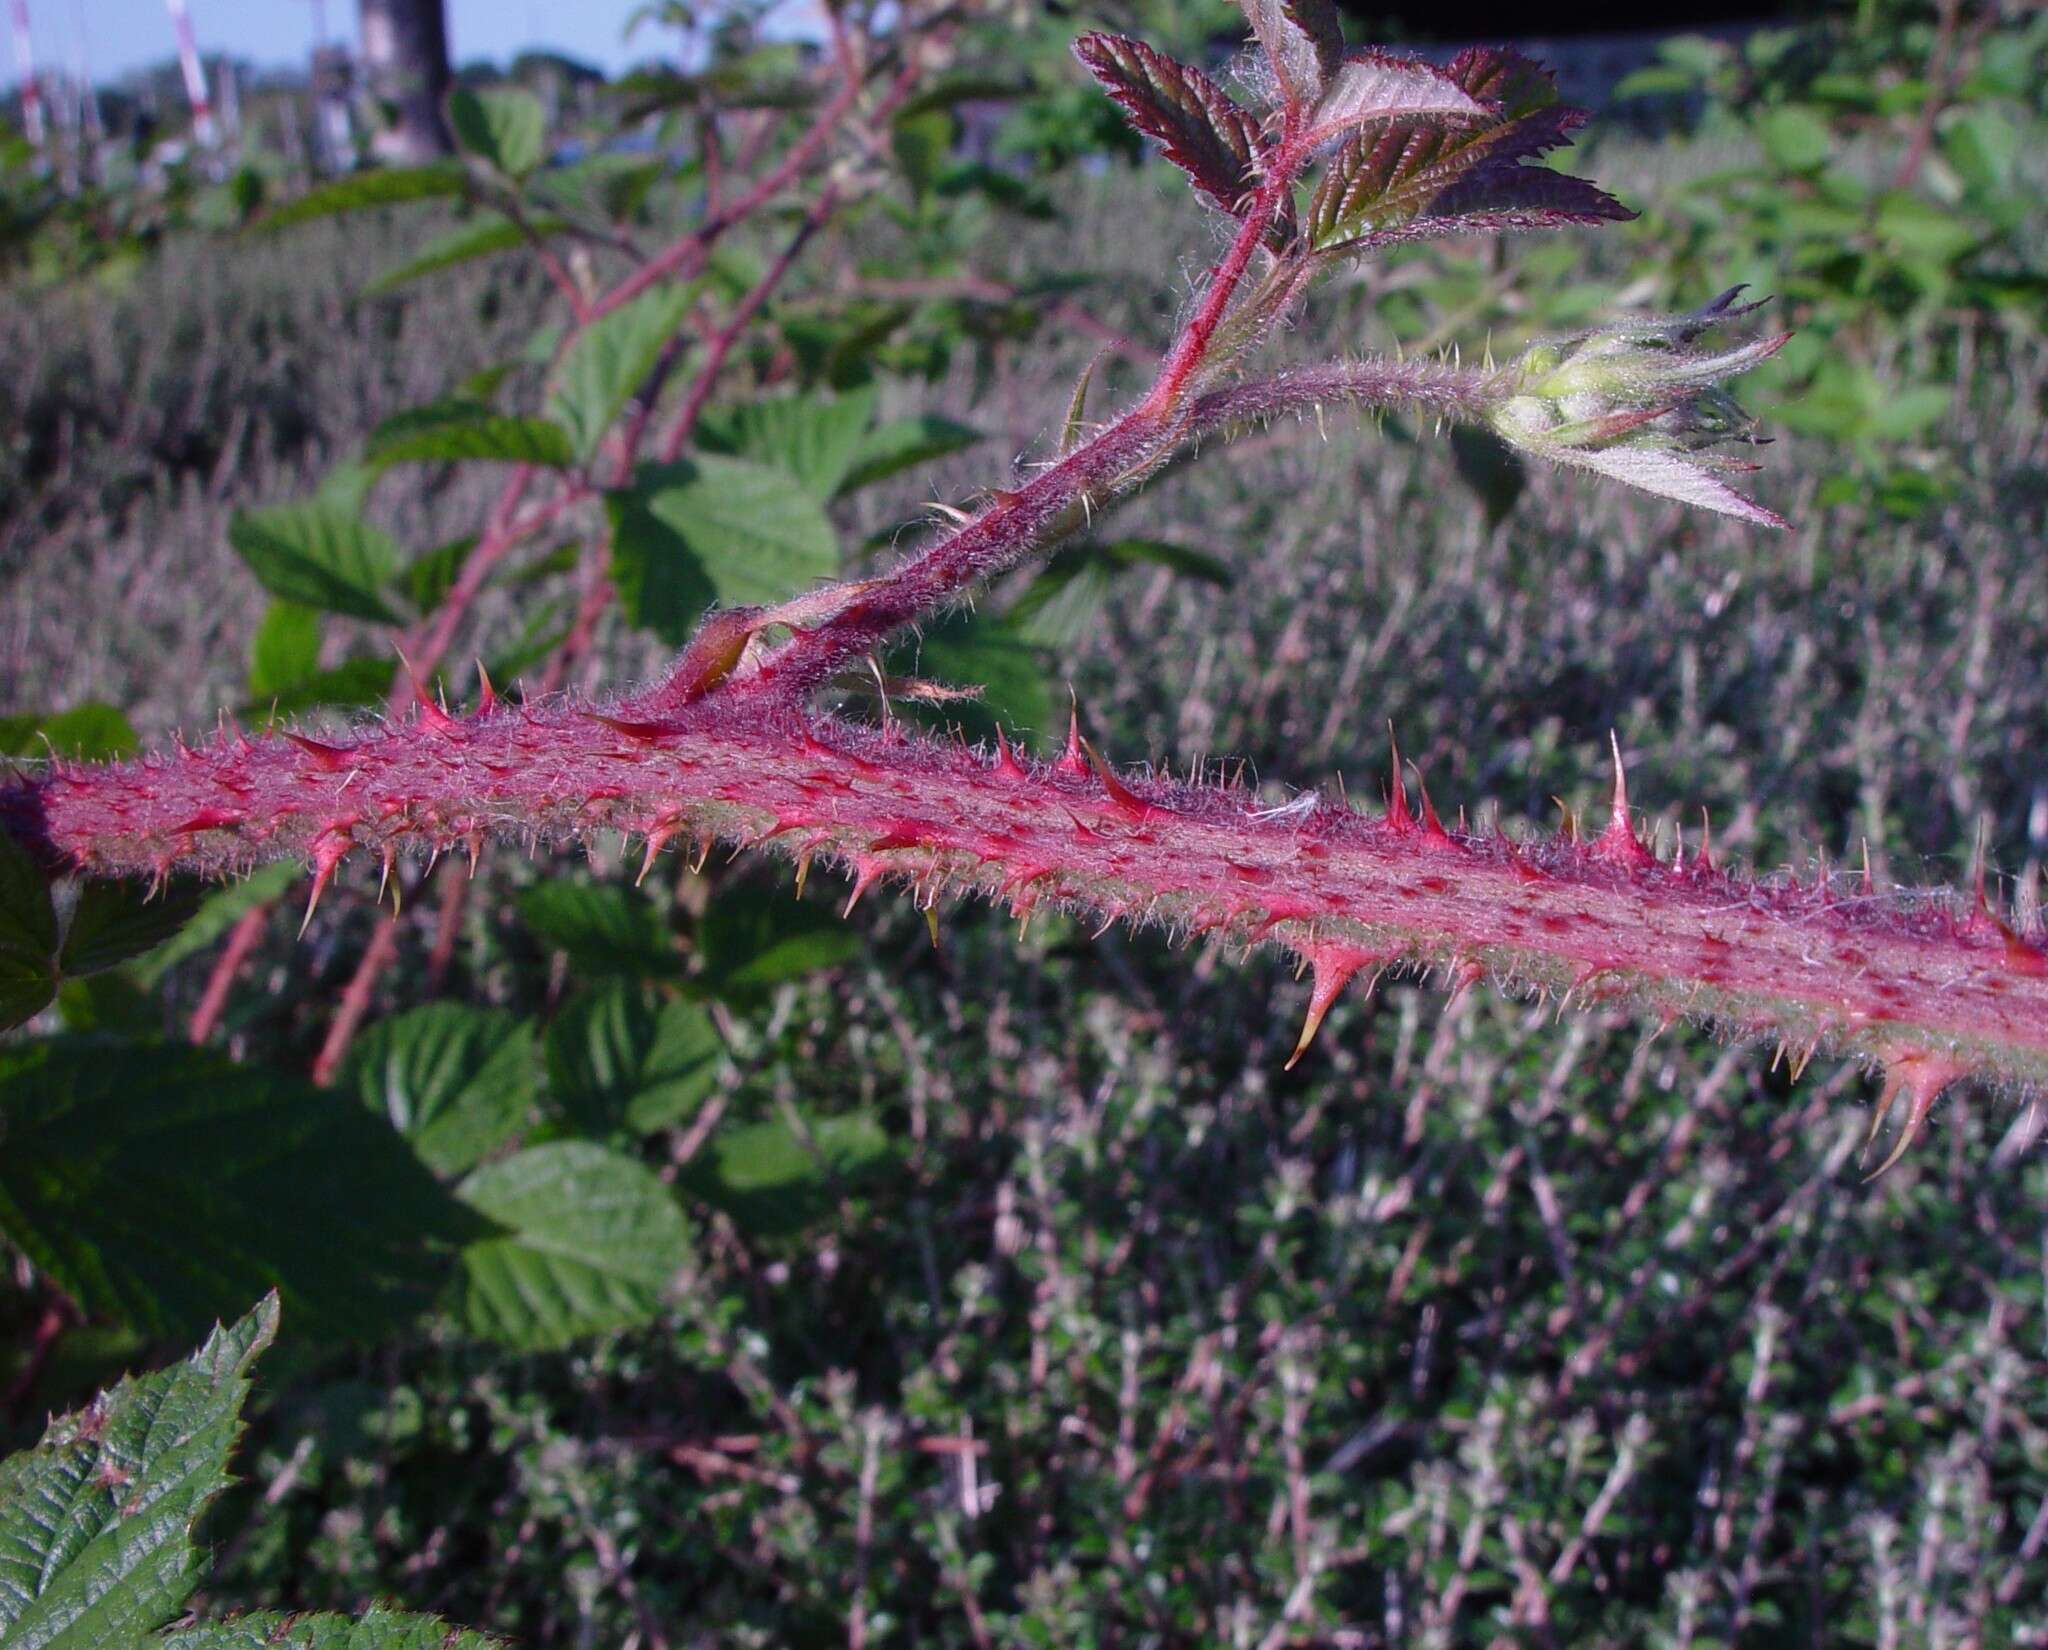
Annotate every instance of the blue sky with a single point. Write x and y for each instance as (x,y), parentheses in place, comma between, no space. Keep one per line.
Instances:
(125,34)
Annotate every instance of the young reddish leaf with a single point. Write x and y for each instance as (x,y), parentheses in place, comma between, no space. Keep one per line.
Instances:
(1419,176)
(1302,40)
(1376,85)
(1202,132)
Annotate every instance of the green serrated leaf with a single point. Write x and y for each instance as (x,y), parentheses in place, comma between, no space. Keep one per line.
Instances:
(28,919)
(605,928)
(621,1059)
(752,939)
(902,444)
(160,1185)
(609,359)
(449,432)
(91,732)
(714,529)
(591,1240)
(460,246)
(501,125)
(366,189)
(815,438)
(96,1521)
(319,557)
(118,918)
(285,650)
(374,1629)
(774,1182)
(456,1081)
(429,577)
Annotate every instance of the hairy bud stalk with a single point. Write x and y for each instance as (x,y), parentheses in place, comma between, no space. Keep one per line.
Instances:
(1926,990)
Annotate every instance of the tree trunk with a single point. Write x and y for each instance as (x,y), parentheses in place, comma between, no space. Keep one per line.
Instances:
(405,65)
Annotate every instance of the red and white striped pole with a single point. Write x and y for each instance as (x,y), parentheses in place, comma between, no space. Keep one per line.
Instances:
(25,61)
(195,73)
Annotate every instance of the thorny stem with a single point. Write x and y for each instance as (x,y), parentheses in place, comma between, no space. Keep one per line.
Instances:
(423,657)
(1061,498)
(1927,990)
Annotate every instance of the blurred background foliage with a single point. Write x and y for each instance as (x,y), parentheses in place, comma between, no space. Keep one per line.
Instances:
(675,1264)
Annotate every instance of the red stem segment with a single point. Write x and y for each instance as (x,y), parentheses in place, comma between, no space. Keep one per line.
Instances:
(243,939)
(1929,990)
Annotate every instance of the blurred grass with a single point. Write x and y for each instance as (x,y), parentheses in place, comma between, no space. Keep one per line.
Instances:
(1474,1329)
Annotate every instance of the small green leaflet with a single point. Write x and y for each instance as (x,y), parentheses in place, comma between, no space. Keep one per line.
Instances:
(605,928)
(624,1060)
(815,438)
(462,245)
(830,443)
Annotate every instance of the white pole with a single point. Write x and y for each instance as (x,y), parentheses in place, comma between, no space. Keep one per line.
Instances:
(195,74)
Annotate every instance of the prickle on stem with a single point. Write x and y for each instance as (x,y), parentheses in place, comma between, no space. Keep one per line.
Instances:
(1618,843)
(1921,1076)
(1333,968)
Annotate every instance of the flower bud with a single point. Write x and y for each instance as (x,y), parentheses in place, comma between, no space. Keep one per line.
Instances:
(1639,401)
